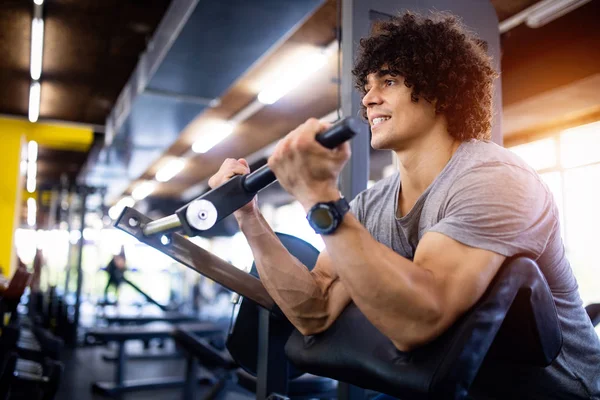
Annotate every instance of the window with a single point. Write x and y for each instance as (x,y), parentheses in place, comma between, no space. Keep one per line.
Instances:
(569,163)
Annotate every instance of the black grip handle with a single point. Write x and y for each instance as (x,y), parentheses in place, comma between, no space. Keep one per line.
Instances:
(340,132)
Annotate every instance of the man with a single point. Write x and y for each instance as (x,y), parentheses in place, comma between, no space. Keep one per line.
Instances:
(420,247)
(116,272)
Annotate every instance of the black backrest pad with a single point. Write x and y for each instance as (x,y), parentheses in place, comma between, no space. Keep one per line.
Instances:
(516,318)
(242,342)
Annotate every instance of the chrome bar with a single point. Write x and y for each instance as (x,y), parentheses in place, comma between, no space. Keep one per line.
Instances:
(162,225)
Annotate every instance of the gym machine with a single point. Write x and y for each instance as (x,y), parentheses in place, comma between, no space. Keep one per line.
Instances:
(515,320)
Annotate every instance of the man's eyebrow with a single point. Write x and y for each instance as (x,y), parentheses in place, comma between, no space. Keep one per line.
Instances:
(380,74)
(384,72)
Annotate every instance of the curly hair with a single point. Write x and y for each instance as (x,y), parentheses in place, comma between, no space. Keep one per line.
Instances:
(441,61)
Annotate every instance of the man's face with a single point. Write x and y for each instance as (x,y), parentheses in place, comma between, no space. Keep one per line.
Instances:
(395,120)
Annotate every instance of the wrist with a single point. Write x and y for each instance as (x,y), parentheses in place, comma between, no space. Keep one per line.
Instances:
(246,212)
(330,194)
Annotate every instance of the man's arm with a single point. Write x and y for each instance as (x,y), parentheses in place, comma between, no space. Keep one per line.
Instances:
(411,302)
(311,300)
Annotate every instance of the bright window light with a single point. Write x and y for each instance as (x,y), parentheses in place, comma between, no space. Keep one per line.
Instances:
(143,190)
(580,145)
(74,236)
(37,47)
(170,169)
(31,211)
(34,101)
(540,154)
(292,76)
(212,136)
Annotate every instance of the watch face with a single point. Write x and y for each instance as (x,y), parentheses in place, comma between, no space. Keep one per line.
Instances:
(322,218)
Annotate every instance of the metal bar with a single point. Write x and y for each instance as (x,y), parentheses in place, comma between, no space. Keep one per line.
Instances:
(120,367)
(189,390)
(162,225)
(198,259)
(145,295)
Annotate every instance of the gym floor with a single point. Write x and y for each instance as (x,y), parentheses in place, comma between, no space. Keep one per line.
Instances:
(84,366)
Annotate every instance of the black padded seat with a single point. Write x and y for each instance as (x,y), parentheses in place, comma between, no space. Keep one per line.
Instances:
(306,385)
(515,320)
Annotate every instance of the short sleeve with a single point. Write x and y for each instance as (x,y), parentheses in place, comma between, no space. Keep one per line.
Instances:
(499,207)
(356,208)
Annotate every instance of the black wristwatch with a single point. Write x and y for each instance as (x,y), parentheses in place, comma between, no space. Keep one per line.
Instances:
(324,218)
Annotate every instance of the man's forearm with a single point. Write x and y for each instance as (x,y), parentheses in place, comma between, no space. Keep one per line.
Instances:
(301,297)
(395,294)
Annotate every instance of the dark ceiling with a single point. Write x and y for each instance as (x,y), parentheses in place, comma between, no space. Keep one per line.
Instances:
(90,49)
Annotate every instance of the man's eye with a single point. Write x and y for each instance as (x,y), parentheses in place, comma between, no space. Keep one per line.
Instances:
(389,82)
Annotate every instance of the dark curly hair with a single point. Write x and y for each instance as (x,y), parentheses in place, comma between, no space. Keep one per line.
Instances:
(439,60)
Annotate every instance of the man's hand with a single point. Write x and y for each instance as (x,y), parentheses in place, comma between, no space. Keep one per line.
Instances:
(229,169)
(306,169)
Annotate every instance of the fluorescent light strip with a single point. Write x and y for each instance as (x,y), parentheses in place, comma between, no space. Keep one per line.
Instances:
(34,101)
(32,151)
(37,47)
(31,211)
(213,135)
(543,16)
(143,190)
(31,183)
(169,170)
(540,13)
(291,77)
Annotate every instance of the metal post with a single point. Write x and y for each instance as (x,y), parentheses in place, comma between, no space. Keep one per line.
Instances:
(189,390)
(120,367)
(83,194)
(355,174)
(70,255)
(272,369)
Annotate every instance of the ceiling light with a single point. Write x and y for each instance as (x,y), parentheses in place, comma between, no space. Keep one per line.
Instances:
(31,185)
(542,16)
(170,169)
(32,151)
(292,76)
(37,47)
(34,101)
(143,190)
(31,176)
(38,2)
(213,135)
(31,211)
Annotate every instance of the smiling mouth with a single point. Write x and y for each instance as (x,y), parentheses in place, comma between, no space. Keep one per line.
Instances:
(378,121)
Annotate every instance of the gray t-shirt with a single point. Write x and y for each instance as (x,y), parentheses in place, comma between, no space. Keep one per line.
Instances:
(487,197)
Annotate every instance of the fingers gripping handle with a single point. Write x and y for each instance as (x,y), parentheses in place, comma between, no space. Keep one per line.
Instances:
(210,208)
(342,131)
